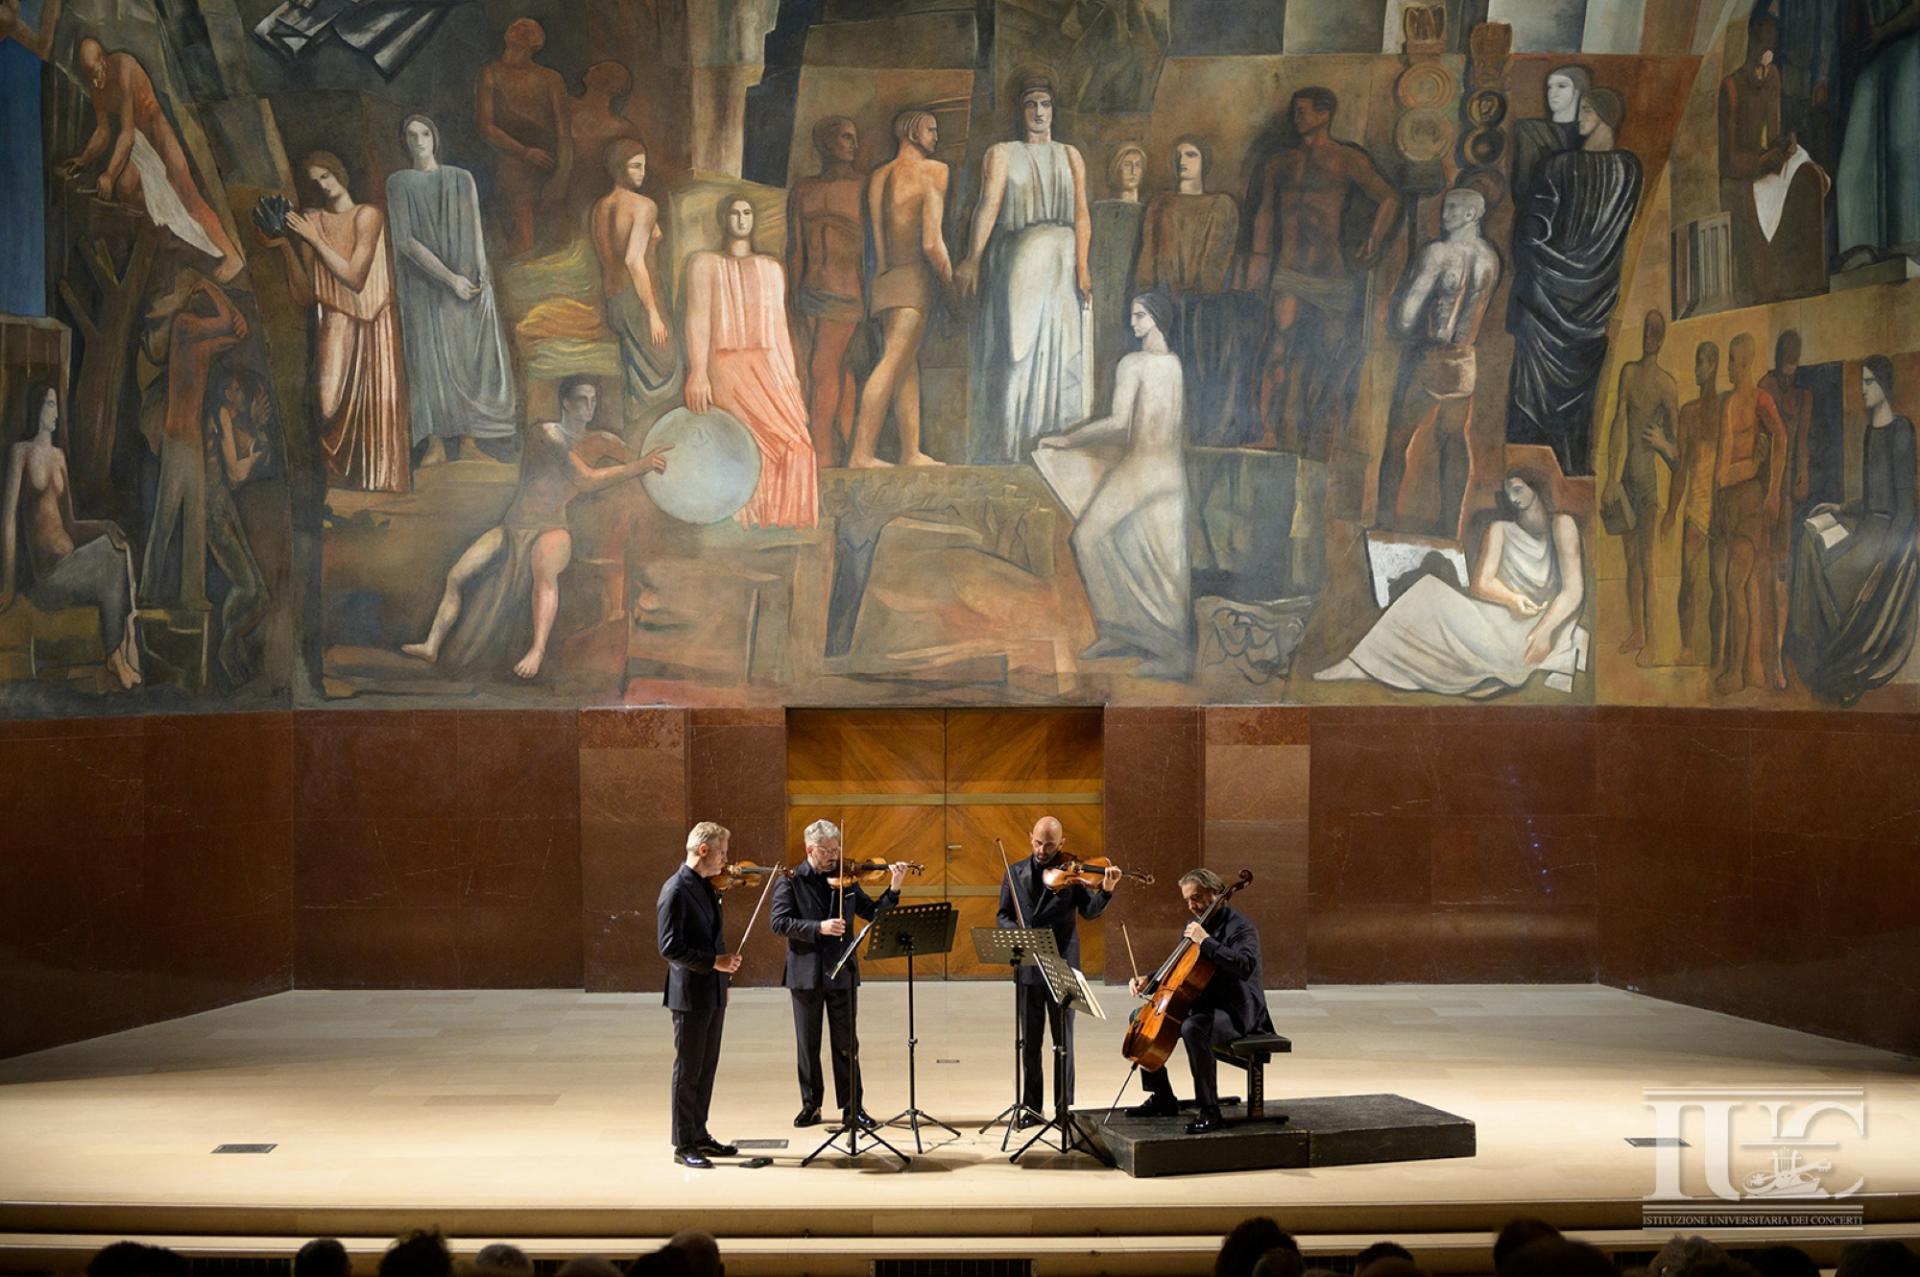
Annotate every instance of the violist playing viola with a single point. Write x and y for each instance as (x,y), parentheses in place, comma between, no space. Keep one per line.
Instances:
(1026,900)
(813,909)
(1231,1004)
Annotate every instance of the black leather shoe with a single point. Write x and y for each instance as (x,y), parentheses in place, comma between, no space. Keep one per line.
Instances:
(808,1116)
(1025,1118)
(1210,1120)
(692,1158)
(714,1148)
(866,1119)
(1155,1107)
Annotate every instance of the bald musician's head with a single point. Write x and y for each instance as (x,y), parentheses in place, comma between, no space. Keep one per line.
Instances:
(1047,839)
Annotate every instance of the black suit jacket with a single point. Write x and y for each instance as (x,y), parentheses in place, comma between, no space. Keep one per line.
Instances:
(690,925)
(1233,947)
(1056,910)
(801,902)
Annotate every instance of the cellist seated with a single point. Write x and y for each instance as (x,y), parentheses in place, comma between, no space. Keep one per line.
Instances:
(1232,1005)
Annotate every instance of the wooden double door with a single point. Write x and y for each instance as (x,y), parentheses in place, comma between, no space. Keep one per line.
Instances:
(938,787)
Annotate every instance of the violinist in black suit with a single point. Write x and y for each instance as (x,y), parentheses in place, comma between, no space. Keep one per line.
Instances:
(816,917)
(1233,1005)
(690,933)
(1026,901)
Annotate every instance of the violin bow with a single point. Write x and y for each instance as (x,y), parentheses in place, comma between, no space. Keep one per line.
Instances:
(765,888)
(1018,912)
(1131,960)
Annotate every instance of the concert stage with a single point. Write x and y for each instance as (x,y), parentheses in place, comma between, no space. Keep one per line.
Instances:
(541,1117)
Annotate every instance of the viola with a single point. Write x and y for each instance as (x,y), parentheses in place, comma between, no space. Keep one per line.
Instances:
(1153,1030)
(854,873)
(1089,871)
(739,875)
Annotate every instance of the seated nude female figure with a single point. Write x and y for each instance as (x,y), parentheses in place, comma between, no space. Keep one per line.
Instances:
(75,562)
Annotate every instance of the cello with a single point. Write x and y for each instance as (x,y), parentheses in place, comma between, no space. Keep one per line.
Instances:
(1153,1030)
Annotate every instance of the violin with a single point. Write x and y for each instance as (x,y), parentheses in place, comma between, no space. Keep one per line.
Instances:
(1153,1030)
(1088,871)
(854,873)
(739,875)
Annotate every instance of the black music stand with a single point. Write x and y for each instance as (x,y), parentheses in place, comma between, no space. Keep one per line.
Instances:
(904,931)
(1014,946)
(850,1128)
(1067,987)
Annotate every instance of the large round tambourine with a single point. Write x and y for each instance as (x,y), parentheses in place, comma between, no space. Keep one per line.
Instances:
(711,472)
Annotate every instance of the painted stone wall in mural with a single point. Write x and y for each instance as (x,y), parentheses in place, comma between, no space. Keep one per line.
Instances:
(1079,350)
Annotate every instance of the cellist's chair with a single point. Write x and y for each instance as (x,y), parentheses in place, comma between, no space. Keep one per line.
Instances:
(1252,1053)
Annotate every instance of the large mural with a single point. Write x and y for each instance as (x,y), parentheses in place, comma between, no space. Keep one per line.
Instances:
(713,352)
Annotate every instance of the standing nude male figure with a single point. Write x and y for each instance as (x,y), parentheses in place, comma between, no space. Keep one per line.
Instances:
(1691,496)
(1441,306)
(1645,412)
(825,239)
(906,201)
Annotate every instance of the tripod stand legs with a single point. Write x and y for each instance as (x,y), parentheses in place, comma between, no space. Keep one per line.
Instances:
(850,1128)
(1012,1115)
(913,1115)
(1073,1138)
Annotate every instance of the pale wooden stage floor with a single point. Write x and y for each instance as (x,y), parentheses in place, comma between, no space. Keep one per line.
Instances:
(543,1114)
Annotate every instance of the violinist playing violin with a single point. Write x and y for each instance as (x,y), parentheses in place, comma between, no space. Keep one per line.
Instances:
(699,968)
(818,920)
(1233,1005)
(1027,901)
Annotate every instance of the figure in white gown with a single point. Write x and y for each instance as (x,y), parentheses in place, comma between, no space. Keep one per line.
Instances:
(1516,620)
(1130,536)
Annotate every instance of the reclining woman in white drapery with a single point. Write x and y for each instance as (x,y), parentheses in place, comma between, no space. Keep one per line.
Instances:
(1516,619)
(1130,535)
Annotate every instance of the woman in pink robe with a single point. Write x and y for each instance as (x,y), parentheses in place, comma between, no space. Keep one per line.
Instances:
(740,360)
(345,269)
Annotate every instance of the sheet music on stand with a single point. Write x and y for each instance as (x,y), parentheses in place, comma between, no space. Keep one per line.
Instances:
(1068,984)
(1000,945)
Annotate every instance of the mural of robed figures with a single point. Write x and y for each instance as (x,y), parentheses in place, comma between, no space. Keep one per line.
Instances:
(740,360)
(1187,244)
(1199,446)
(459,389)
(1130,516)
(1027,268)
(1852,624)
(1770,187)
(1569,241)
(1517,618)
